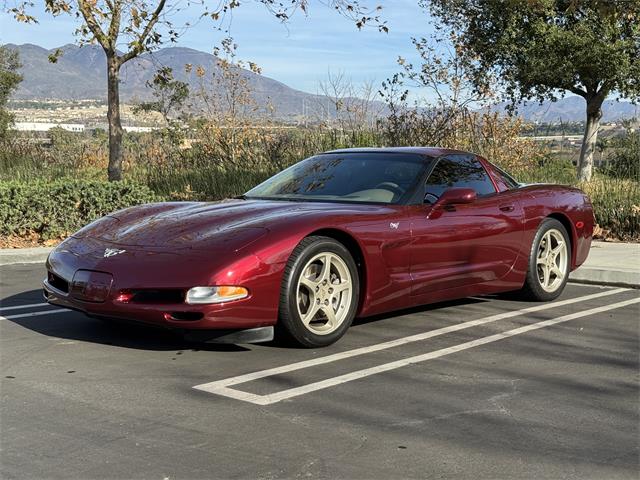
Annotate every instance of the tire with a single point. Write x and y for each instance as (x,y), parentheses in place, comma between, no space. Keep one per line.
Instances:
(310,292)
(548,273)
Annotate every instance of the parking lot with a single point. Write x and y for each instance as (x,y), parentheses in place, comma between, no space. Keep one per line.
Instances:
(486,387)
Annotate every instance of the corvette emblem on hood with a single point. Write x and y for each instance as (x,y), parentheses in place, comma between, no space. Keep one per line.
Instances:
(110,252)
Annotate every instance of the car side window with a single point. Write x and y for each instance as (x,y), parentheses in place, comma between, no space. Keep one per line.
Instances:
(457,171)
(508,180)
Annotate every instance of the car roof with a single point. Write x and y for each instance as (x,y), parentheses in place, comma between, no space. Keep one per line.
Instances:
(426,151)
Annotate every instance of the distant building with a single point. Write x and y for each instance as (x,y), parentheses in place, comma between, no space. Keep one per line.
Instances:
(127,128)
(139,129)
(73,127)
(46,126)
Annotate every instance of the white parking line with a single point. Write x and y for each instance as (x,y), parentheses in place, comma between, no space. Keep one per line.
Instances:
(248,377)
(269,399)
(20,307)
(34,314)
(222,387)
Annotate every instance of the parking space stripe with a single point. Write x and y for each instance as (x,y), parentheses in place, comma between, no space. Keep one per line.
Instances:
(20,307)
(400,341)
(34,314)
(349,377)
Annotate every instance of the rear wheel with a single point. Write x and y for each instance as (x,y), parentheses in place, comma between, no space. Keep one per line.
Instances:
(319,294)
(549,262)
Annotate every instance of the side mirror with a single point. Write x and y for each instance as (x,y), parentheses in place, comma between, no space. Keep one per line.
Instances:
(450,198)
(457,196)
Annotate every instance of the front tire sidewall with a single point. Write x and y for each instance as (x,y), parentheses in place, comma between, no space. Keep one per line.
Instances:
(289,316)
(532,287)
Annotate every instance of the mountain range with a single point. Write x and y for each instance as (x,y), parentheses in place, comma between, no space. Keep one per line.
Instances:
(80,73)
(572,109)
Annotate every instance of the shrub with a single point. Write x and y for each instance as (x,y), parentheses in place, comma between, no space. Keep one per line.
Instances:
(616,205)
(58,208)
(624,161)
(207,171)
(616,201)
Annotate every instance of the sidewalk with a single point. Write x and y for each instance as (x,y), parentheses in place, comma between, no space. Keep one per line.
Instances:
(9,256)
(615,264)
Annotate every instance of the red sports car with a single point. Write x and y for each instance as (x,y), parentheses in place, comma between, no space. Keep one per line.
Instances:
(342,234)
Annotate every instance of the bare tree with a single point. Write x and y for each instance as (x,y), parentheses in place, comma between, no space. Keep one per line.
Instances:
(225,93)
(125,29)
(442,92)
(353,106)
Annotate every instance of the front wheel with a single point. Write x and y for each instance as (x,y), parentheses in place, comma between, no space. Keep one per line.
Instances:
(549,262)
(320,292)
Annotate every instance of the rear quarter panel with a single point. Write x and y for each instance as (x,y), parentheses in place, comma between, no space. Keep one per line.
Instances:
(569,205)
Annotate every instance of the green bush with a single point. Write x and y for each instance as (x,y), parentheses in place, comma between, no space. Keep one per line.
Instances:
(616,205)
(58,208)
(624,161)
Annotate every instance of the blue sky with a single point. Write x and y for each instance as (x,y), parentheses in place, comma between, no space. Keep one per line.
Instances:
(298,54)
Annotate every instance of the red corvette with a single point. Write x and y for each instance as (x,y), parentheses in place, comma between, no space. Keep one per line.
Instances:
(342,234)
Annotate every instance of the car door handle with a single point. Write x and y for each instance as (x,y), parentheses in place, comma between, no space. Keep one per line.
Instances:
(507,208)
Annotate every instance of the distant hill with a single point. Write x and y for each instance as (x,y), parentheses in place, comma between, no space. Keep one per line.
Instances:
(572,109)
(80,73)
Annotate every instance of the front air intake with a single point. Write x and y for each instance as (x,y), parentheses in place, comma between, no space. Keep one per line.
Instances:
(57,282)
(184,316)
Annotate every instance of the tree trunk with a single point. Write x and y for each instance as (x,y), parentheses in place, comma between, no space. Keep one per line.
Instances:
(113,117)
(594,114)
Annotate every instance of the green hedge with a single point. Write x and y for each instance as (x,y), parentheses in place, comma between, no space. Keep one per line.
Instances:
(56,209)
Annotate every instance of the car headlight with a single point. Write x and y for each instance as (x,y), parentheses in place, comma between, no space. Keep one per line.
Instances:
(198,295)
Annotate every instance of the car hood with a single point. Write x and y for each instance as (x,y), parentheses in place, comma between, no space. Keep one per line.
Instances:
(228,225)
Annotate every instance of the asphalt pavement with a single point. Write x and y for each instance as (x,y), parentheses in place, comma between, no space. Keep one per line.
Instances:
(486,387)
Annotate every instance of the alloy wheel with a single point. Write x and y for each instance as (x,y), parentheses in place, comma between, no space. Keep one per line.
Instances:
(324,293)
(552,260)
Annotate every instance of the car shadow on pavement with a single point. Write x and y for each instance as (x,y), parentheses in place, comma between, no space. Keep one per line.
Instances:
(419,309)
(77,326)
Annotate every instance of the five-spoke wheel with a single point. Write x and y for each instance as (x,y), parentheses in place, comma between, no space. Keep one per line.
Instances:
(549,262)
(324,293)
(552,260)
(319,293)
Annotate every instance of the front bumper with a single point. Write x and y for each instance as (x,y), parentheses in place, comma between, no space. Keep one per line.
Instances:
(203,331)
(98,294)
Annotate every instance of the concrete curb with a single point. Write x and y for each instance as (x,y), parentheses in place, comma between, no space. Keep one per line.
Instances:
(610,263)
(9,256)
(602,276)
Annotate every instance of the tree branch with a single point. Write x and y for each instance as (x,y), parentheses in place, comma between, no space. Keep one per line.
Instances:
(92,23)
(607,86)
(139,44)
(578,91)
(114,27)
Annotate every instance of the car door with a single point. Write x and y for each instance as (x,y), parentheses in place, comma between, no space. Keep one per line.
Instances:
(465,244)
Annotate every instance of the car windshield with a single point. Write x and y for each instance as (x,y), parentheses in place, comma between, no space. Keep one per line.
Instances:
(346,177)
